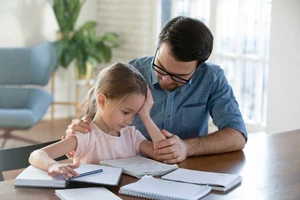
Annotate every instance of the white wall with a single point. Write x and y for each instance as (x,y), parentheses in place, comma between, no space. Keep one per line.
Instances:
(284,71)
(135,21)
(29,22)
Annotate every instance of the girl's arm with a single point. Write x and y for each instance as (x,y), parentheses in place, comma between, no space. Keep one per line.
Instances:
(44,158)
(146,148)
(144,114)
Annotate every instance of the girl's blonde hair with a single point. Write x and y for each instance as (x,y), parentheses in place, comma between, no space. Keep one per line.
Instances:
(116,82)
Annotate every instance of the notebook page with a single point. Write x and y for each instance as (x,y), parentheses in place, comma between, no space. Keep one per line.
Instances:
(201,177)
(35,177)
(140,166)
(109,175)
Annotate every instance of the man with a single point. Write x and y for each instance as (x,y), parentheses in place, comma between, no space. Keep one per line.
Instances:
(186,90)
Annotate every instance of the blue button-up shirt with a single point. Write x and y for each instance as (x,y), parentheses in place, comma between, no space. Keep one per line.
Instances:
(185,111)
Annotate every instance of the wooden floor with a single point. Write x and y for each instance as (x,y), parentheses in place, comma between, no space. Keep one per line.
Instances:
(41,132)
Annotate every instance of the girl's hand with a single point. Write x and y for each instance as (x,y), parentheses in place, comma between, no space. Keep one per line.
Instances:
(64,169)
(145,109)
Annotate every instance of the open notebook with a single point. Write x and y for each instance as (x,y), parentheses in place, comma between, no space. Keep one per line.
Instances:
(139,166)
(154,188)
(34,177)
(218,181)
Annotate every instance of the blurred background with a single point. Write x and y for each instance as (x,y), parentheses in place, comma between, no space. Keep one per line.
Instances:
(256,43)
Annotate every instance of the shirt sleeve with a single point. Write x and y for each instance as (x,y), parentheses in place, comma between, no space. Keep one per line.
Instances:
(84,142)
(224,108)
(137,138)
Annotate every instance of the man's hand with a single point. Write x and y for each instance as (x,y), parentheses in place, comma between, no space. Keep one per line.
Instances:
(79,125)
(171,150)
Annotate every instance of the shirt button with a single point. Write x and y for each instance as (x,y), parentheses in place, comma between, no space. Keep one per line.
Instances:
(168,115)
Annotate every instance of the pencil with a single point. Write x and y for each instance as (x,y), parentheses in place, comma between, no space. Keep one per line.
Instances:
(88,173)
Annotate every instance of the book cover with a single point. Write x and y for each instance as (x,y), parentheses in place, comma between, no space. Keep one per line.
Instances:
(91,193)
(154,188)
(218,181)
(34,177)
(139,166)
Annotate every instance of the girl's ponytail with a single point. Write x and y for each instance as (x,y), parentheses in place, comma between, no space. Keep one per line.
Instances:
(91,104)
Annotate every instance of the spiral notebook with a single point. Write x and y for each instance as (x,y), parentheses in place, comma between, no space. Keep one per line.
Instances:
(154,188)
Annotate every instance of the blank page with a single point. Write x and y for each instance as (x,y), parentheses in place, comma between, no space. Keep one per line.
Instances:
(109,175)
(205,178)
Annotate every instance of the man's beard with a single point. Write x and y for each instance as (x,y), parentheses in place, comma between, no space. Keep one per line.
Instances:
(169,87)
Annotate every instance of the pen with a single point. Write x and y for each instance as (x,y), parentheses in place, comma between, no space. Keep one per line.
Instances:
(88,173)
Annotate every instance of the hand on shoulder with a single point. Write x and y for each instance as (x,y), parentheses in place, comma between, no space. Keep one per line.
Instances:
(79,125)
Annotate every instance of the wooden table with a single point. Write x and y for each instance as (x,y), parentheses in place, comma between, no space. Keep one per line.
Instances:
(269,165)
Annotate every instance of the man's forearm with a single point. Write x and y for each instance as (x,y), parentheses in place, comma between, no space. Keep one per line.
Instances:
(222,141)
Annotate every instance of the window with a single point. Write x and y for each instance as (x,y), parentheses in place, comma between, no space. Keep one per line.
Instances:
(241,29)
(199,9)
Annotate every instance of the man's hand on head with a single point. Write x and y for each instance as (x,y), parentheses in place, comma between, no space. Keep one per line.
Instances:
(172,149)
(79,125)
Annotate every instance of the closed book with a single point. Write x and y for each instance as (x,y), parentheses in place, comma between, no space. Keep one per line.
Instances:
(139,166)
(159,189)
(91,193)
(34,177)
(218,181)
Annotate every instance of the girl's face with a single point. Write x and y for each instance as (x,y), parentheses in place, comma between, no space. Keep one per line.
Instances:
(120,116)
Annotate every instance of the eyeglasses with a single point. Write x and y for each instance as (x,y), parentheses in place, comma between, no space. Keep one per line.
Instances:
(165,73)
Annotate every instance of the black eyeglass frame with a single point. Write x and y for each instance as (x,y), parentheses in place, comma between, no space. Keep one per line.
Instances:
(184,81)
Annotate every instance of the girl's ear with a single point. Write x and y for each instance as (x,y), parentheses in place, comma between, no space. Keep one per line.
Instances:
(101,99)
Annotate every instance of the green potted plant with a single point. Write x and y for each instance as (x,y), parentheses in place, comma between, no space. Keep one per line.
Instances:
(66,13)
(83,46)
(89,49)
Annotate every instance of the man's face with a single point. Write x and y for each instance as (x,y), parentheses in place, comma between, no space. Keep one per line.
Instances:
(167,63)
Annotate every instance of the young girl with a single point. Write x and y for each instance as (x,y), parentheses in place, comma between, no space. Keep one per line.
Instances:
(119,93)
